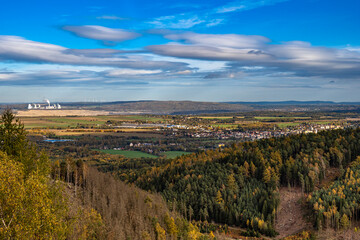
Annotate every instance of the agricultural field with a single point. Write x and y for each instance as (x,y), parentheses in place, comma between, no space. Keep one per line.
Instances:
(119,124)
(61,122)
(218,117)
(274,118)
(133,118)
(127,154)
(83,121)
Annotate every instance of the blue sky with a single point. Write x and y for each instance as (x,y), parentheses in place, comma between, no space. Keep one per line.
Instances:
(235,50)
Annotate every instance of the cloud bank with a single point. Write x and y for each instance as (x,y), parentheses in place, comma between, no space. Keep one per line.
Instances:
(183,59)
(13,48)
(297,57)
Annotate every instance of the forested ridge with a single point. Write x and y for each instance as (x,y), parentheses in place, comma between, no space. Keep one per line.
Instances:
(67,199)
(32,204)
(239,185)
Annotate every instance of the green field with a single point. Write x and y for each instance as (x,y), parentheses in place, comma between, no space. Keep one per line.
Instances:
(174,154)
(75,121)
(128,154)
(45,125)
(60,122)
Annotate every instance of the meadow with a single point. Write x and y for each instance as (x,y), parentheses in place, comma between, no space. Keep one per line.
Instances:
(127,154)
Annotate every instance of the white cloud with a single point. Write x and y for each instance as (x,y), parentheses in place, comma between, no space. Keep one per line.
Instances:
(181,21)
(207,16)
(5,76)
(220,40)
(109,17)
(353,48)
(122,72)
(208,52)
(102,33)
(215,22)
(244,5)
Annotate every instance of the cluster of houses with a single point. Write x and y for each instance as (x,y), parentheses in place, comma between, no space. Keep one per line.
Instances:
(256,135)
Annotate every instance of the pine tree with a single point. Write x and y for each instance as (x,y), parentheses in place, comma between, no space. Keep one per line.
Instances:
(267,175)
(344,221)
(231,182)
(12,134)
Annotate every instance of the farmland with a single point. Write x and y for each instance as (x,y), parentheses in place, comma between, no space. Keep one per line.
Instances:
(112,124)
(128,154)
(170,136)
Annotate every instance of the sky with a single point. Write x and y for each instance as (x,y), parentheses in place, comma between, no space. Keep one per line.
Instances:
(230,50)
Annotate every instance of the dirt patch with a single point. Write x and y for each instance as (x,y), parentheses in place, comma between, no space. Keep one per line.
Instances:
(331,175)
(331,234)
(290,213)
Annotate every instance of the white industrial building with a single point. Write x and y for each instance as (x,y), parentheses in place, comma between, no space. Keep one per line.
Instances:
(46,105)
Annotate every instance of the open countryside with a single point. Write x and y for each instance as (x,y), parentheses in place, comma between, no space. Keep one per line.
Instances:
(180,120)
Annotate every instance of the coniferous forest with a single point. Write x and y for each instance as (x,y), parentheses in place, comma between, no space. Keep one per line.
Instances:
(239,185)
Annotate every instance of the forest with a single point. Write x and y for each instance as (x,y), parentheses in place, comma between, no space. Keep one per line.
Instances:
(67,199)
(239,185)
(339,204)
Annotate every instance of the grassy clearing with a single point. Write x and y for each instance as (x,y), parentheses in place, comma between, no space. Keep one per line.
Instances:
(174,154)
(128,154)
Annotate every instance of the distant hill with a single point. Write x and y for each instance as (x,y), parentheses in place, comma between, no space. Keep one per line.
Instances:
(193,107)
(286,103)
(296,103)
(163,107)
